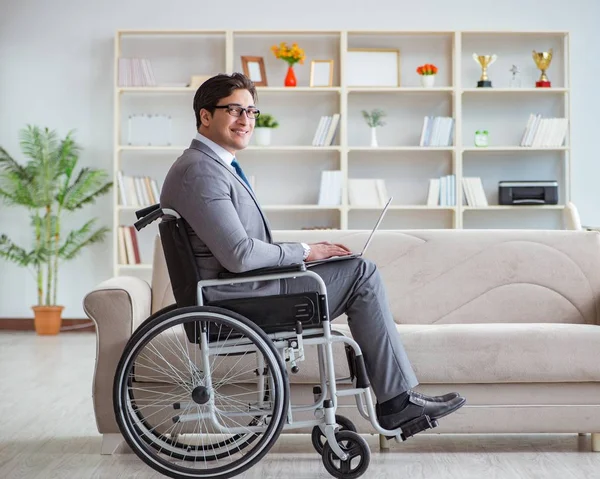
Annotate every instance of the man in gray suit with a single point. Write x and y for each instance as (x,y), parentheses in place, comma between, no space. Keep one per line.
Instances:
(229,232)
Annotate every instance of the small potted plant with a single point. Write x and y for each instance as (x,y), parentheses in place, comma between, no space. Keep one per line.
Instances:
(262,129)
(374,119)
(428,73)
(49,186)
(291,55)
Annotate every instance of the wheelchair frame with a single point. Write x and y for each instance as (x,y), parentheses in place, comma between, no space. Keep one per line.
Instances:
(325,343)
(290,346)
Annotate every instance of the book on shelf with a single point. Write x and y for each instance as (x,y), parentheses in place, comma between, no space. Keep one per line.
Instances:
(437,131)
(330,193)
(326,130)
(137,190)
(442,191)
(367,192)
(135,72)
(474,193)
(128,246)
(544,132)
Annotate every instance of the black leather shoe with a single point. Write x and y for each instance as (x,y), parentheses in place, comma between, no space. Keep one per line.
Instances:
(418,407)
(444,398)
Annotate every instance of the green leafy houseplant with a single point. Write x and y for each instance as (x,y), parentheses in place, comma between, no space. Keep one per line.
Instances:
(262,129)
(374,119)
(266,121)
(48,186)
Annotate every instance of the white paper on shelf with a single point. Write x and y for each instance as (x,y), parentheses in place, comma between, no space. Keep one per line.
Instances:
(363,192)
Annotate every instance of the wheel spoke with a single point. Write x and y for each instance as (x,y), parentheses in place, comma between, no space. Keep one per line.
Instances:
(345,466)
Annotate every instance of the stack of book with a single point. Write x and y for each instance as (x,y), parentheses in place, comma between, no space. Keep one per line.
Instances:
(367,192)
(437,131)
(325,133)
(137,190)
(442,191)
(544,132)
(129,251)
(135,72)
(330,193)
(474,193)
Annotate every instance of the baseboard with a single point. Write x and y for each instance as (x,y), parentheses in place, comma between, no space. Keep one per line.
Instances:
(68,325)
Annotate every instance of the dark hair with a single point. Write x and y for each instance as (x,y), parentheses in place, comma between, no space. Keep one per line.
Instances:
(220,86)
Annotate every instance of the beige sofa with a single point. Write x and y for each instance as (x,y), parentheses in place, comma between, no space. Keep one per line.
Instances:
(510,319)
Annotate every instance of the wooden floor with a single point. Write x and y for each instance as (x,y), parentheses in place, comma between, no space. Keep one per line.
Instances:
(47,431)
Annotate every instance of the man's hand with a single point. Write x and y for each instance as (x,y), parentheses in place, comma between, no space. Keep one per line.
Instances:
(325,249)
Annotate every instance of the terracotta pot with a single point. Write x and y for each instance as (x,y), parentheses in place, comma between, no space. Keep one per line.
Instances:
(290,78)
(47,319)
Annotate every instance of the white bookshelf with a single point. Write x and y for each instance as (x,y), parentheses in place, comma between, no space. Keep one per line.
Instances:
(288,172)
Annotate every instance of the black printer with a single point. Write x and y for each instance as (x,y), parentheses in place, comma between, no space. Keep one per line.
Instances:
(528,193)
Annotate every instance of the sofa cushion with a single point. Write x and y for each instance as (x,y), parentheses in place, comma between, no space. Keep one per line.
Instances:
(501,353)
(474,353)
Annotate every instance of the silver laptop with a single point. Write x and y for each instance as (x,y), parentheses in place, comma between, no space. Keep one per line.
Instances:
(309,264)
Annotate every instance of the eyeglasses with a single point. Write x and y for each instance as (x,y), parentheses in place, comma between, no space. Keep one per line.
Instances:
(236,110)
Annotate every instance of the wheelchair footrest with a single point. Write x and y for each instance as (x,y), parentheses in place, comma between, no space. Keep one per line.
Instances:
(417,425)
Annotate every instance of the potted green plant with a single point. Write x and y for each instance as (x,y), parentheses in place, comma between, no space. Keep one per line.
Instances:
(374,119)
(262,129)
(48,186)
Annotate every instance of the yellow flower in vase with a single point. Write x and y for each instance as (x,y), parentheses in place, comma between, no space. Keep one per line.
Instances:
(291,55)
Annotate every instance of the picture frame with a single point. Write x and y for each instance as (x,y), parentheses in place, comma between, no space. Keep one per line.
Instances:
(254,68)
(321,73)
(373,67)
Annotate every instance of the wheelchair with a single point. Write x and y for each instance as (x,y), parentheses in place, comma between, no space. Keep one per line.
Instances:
(201,390)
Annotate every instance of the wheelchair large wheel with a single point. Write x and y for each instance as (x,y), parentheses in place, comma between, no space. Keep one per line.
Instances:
(203,410)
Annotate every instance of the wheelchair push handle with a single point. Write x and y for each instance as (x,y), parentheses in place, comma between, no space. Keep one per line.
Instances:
(147,215)
(146,211)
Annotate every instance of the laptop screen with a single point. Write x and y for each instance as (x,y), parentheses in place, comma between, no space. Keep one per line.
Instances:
(385,208)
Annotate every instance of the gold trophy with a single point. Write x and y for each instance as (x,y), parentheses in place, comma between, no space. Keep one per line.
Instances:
(484,61)
(542,60)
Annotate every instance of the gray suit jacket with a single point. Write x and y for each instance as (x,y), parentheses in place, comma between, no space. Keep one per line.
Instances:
(228,229)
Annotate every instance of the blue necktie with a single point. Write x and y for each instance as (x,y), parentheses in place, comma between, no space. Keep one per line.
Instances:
(240,172)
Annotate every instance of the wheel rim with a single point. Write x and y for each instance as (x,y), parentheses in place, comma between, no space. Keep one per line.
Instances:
(353,463)
(358,456)
(194,447)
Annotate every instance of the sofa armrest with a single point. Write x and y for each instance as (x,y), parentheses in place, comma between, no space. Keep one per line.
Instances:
(117,306)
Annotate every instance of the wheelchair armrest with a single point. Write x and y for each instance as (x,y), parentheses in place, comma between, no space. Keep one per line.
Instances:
(288,268)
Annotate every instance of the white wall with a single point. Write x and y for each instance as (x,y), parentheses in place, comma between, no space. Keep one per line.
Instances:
(56,62)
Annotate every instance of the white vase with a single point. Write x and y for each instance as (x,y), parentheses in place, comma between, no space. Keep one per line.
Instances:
(262,136)
(427,80)
(374,137)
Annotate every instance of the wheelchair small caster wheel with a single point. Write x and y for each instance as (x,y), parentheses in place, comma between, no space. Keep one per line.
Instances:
(319,439)
(359,456)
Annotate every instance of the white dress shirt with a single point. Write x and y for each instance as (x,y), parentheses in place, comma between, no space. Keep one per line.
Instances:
(221,152)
